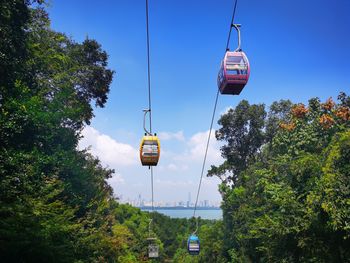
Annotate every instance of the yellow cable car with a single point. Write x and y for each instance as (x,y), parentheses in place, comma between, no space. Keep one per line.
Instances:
(149,150)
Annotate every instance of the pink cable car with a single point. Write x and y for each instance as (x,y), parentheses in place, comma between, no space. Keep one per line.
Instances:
(234,71)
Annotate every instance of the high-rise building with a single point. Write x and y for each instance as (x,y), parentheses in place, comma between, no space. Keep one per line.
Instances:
(189,199)
(139,201)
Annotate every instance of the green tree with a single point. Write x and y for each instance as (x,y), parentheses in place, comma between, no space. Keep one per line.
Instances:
(289,203)
(55,204)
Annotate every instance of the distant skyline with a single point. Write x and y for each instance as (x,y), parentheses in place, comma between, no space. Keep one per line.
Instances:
(297,50)
(142,202)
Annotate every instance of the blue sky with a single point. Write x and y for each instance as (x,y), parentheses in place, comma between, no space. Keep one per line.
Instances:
(297,49)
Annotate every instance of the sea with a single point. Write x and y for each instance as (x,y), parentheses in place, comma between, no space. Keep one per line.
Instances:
(188,213)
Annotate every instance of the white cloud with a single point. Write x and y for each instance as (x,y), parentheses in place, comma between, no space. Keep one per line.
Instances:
(116,180)
(108,150)
(197,145)
(171,136)
(226,110)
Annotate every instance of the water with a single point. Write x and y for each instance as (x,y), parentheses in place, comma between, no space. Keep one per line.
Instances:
(188,213)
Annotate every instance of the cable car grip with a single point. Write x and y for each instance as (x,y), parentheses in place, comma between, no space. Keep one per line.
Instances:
(195,232)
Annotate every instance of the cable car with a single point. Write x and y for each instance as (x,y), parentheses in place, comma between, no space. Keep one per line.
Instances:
(153,250)
(149,150)
(193,245)
(150,145)
(234,71)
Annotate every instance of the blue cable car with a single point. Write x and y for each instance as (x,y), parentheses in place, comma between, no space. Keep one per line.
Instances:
(193,245)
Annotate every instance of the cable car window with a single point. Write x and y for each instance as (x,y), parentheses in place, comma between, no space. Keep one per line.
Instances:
(232,72)
(238,69)
(150,143)
(221,75)
(193,245)
(150,148)
(236,72)
(235,59)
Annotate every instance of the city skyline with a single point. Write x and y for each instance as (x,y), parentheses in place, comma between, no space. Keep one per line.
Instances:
(139,201)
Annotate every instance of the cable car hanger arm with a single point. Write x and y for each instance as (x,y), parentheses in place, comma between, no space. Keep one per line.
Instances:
(195,232)
(144,121)
(237,27)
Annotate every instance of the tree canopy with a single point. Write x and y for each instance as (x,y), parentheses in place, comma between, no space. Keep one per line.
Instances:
(285,181)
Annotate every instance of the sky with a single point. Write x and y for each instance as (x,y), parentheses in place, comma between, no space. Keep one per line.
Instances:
(297,50)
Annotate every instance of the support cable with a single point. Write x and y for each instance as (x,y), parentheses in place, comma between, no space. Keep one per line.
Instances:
(206,153)
(231,25)
(212,121)
(148,71)
(149,109)
(152,188)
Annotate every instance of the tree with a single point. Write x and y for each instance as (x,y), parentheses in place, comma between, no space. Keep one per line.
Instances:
(242,128)
(289,202)
(55,204)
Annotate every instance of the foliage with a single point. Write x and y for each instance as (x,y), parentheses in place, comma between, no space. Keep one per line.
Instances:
(286,192)
(55,204)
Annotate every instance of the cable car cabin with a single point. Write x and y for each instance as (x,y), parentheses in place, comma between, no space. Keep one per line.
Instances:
(149,150)
(234,73)
(153,251)
(193,245)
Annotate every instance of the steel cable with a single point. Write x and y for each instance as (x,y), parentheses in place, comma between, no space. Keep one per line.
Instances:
(149,104)
(212,120)
(148,71)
